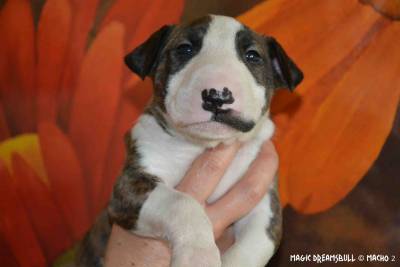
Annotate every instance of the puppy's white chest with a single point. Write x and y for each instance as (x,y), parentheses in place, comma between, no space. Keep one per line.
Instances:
(169,157)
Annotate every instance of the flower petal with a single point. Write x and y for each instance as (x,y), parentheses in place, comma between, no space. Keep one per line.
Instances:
(51,50)
(45,216)
(16,226)
(95,105)
(65,178)
(7,258)
(17,64)
(27,146)
(127,12)
(4,131)
(156,14)
(345,133)
(83,14)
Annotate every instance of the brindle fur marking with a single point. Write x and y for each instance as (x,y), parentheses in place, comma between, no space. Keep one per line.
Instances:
(130,191)
(274,229)
(92,248)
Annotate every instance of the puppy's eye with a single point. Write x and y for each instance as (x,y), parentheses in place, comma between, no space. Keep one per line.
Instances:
(253,56)
(185,49)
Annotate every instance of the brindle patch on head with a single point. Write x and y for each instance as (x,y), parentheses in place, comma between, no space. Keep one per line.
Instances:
(247,40)
(171,62)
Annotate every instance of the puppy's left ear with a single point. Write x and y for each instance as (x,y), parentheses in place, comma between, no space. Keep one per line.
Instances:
(144,58)
(286,73)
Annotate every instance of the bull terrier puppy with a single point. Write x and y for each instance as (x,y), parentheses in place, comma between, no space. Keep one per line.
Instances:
(213,83)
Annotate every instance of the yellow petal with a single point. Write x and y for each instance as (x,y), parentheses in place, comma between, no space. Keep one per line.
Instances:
(27,146)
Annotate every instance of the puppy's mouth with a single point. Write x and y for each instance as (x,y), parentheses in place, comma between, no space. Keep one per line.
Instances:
(233,119)
(227,117)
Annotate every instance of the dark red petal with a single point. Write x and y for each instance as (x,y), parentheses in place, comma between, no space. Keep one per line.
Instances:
(95,105)
(65,177)
(45,216)
(129,13)
(17,60)
(156,14)
(83,14)
(52,42)
(7,258)
(15,225)
(4,131)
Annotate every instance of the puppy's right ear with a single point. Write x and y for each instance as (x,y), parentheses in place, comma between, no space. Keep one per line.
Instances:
(144,58)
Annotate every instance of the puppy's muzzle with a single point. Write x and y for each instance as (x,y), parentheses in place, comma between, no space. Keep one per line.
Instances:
(213,99)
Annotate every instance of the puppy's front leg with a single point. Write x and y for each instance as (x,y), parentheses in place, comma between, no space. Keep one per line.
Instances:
(147,207)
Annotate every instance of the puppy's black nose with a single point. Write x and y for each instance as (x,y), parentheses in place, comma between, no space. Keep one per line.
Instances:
(214,99)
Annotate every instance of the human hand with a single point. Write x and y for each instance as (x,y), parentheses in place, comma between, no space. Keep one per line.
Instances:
(126,249)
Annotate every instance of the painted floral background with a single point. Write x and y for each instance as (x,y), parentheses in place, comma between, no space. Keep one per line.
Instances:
(66,100)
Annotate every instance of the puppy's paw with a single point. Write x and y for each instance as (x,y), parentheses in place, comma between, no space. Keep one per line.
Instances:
(234,257)
(195,256)
(237,256)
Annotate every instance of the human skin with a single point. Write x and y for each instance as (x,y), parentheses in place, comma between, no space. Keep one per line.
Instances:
(126,249)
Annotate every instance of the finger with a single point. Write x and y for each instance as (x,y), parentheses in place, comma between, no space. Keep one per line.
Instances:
(206,171)
(225,240)
(246,194)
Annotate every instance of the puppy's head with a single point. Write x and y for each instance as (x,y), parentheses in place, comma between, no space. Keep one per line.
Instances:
(213,78)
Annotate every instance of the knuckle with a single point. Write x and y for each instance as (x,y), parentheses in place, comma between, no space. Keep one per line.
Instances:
(218,227)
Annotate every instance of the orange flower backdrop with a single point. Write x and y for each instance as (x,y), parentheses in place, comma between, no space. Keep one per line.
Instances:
(64,108)
(66,101)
